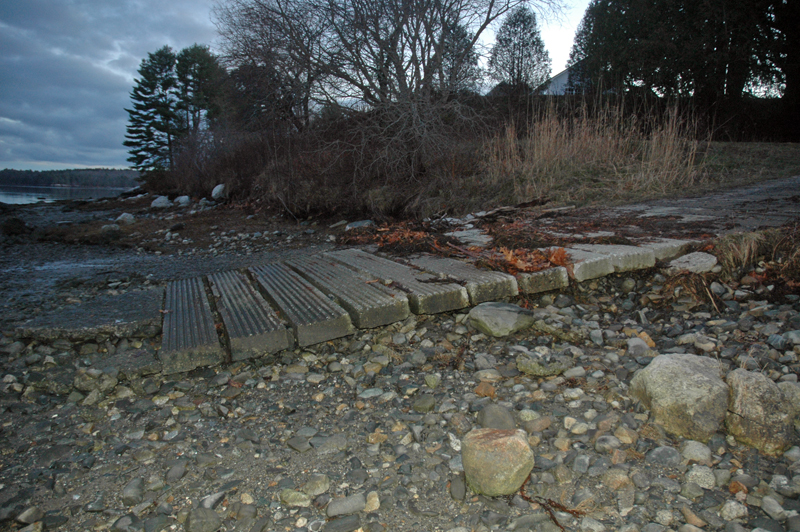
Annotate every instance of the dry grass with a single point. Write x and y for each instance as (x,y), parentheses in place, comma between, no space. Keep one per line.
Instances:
(608,156)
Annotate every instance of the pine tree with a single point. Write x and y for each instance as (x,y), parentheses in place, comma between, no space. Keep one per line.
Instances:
(152,121)
(519,58)
(198,80)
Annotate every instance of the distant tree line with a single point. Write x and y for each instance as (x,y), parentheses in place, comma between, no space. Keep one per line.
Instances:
(95,178)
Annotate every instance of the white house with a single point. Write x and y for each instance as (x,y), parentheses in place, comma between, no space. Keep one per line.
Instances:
(557,85)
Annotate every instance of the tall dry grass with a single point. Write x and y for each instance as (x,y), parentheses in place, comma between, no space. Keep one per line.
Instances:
(607,154)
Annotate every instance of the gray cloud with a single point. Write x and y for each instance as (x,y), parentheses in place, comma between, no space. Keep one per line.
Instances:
(67,69)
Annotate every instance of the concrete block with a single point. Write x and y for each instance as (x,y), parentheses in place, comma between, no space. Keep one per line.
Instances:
(252,327)
(623,258)
(543,281)
(314,318)
(587,265)
(190,338)
(426,294)
(369,303)
(481,285)
(668,248)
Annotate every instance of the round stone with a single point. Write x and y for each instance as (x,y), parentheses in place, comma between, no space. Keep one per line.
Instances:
(496,462)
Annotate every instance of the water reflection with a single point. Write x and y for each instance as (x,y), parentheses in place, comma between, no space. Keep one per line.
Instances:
(23,195)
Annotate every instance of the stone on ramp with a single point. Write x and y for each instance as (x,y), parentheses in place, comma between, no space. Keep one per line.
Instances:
(587,265)
(426,293)
(252,327)
(697,262)
(543,281)
(668,248)
(369,303)
(313,317)
(190,338)
(623,258)
(481,285)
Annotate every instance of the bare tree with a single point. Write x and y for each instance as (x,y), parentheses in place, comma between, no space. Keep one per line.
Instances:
(391,68)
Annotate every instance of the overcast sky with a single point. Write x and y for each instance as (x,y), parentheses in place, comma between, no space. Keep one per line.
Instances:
(67,69)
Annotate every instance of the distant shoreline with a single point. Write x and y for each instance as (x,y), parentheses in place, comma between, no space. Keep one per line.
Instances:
(61,185)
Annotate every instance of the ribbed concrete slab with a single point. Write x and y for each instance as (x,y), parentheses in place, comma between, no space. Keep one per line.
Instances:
(667,248)
(370,303)
(314,318)
(190,339)
(543,281)
(481,285)
(623,258)
(252,327)
(586,265)
(426,293)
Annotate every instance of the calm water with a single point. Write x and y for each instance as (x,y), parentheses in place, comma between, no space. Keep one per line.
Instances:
(23,195)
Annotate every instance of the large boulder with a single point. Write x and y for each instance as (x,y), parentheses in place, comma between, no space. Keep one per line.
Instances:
(220,192)
(496,462)
(759,413)
(500,319)
(685,393)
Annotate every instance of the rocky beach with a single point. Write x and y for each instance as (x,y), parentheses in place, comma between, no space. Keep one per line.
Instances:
(641,401)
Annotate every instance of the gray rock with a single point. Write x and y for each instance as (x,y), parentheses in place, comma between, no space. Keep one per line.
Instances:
(758,413)
(316,485)
(213,500)
(637,347)
(349,523)
(110,230)
(732,510)
(701,475)
(125,219)
(127,523)
(697,262)
(346,505)
(500,319)
(161,202)
(458,487)
(592,525)
(496,417)
(664,455)
(133,492)
(334,444)
(773,508)
(203,520)
(696,451)
(685,394)
(176,473)
(30,515)
(183,201)
(293,498)
(219,192)
(496,462)
(359,225)
(424,404)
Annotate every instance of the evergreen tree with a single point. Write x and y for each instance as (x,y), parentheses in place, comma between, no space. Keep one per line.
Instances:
(152,119)
(175,95)
(199,77)
(519,58)
(709,49)
(460,70)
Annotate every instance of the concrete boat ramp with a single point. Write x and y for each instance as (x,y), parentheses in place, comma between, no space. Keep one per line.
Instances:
(264,309)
